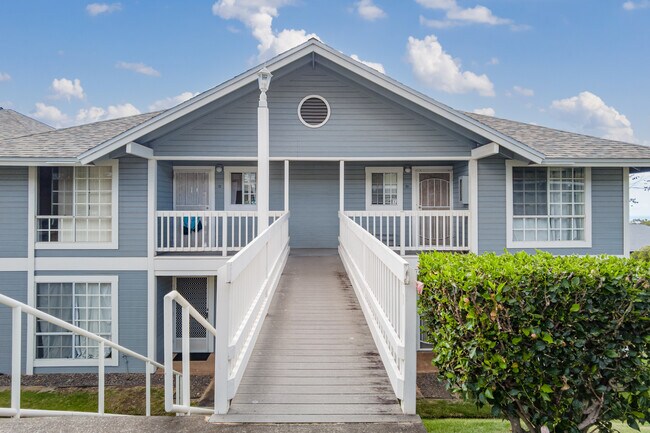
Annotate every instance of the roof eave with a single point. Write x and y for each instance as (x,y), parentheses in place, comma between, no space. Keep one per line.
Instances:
(37,161)
(598,162)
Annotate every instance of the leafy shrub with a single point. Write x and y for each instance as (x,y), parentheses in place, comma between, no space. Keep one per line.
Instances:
(642,254)
(552,343)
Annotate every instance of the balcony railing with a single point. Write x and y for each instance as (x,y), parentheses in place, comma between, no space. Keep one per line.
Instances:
(412,231)
(221,232)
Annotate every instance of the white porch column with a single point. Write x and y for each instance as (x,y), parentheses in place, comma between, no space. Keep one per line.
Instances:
(152,236)
(264,78)
(473,205)
(342,186)
(286,185)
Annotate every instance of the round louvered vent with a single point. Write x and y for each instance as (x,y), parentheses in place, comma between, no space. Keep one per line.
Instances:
(313,111)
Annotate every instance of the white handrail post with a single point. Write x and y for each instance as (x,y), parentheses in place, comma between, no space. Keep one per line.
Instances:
(222,340)
(169,362)
(16,346)
(402,232)
(100,386)
(186,357)
(263,153)
(148,389)
(410,341)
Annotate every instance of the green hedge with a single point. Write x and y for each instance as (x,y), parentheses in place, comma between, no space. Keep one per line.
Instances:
(642,254)
(557,343)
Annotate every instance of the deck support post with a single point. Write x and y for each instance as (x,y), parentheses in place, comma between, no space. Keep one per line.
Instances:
(263,153)
(410,342)
(222,341)
(286,185)
(342,186)
(473,205)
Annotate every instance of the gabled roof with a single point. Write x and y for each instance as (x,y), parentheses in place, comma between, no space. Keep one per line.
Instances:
(68,142)
(563,145)
(90,142)
(14,124)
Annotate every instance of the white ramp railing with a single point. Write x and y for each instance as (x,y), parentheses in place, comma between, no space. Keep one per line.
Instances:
(387,294)
(245,287)
(182,385)
(17,310)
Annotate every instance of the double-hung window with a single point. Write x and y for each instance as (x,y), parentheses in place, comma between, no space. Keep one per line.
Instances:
(549,206)
(240,188)
(89,303)
(384,188)
(77,205)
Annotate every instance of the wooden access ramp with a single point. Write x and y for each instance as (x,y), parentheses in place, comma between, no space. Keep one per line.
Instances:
(315,359)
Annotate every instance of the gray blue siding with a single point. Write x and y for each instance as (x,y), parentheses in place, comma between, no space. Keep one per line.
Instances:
(13,211)
(362,123)
(14,285)
(606,201)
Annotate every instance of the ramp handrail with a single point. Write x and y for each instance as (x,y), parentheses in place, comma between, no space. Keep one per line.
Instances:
(245,287)
(17,309)
(182,404)
(387,294)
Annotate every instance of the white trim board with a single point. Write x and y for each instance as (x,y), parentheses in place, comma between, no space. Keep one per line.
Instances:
(91,263)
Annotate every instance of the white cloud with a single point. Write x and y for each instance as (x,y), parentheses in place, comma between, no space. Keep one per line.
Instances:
(50,115)
(591,115)
(140,68)
(377,66)
(631,5)
(169,102)
(437,69)
(68,89)
(4,76)
(523,91)
(493,61)
(456,15)
(95,114)
(258,16)
(95,9)
(487,111)
(369,11)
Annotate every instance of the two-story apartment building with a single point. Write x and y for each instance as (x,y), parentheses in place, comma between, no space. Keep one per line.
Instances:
(99,221)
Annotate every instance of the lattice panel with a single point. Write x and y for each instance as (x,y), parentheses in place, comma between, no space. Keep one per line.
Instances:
(195,290)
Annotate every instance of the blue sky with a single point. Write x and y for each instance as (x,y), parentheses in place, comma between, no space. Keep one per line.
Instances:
(579,65)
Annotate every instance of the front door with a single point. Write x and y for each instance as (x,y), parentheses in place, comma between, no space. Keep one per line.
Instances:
(199,292)
(193,188)
(433,192)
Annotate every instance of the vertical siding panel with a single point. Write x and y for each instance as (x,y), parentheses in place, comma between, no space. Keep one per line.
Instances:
(13,211)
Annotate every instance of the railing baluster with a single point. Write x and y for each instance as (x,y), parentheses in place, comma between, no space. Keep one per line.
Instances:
(16,358)
(147,385)
(100,387)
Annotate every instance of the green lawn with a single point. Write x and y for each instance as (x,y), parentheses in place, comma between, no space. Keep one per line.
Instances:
(442,416)
(127,401)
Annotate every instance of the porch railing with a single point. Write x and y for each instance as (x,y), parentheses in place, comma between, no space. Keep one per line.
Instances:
(386,291)
(222,232)
(17,310)
(443,230)
(245,287)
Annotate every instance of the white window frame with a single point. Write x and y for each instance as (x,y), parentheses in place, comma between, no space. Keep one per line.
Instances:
(415,174)
(227,171)
(114,243)
(400,188)
(113,280)
(210,170)
(510,243)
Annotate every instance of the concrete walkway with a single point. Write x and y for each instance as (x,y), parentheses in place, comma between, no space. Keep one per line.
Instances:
(186,424)
(315,359)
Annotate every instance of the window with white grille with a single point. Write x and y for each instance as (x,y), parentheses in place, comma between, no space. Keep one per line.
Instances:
(89,303)
(240,188)
(76,204)
(384,188)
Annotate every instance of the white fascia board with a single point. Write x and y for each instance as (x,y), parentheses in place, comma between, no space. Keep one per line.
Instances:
(593,162)
(485,151)
(190,105)
(38,162)
(311,46)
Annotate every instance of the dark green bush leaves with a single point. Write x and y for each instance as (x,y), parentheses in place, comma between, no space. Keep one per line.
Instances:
(560,342)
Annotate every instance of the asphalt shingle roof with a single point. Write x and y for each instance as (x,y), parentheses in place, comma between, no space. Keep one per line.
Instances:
(556,144)
(14,124)
(69,142)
